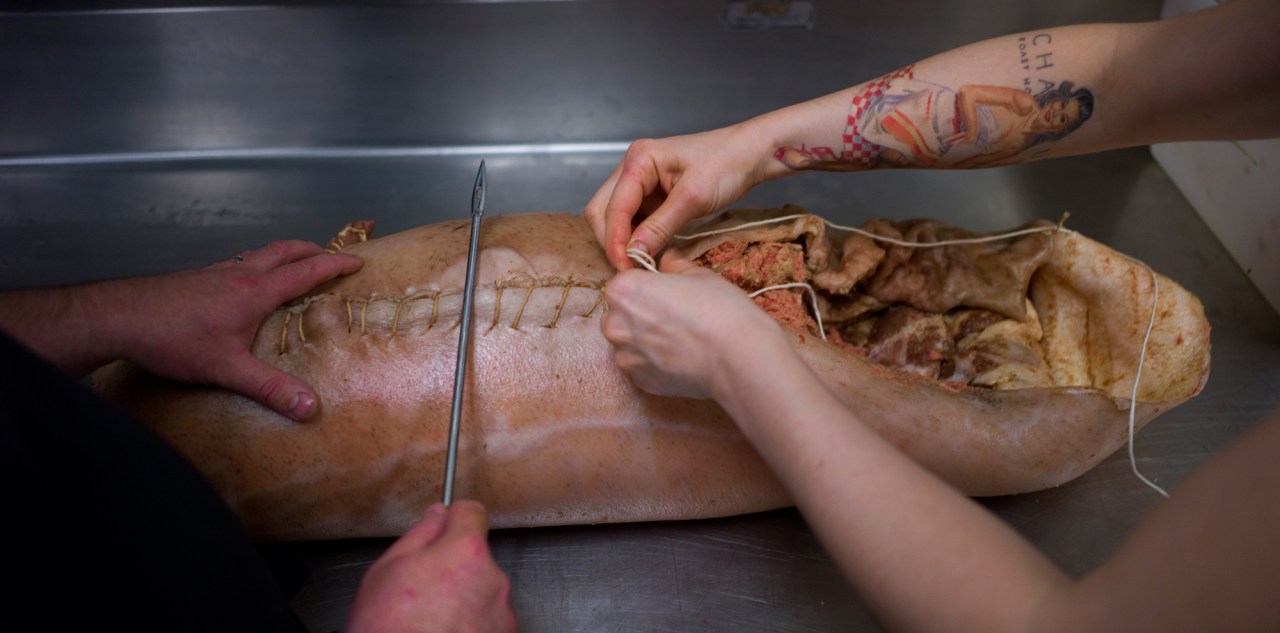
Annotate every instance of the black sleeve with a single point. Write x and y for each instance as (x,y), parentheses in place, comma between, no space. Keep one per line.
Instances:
(109,528)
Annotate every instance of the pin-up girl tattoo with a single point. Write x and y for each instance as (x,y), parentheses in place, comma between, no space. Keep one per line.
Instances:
(901,121)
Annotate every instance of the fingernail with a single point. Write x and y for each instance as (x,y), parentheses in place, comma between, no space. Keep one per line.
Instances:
(637,244)
(302,405)
(435,510)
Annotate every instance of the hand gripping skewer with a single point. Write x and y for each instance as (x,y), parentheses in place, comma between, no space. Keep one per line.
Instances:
(464,335)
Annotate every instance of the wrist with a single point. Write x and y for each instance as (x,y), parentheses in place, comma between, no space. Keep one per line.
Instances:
(93,318)
(799,135)
(741,354)
(61,325)
(763,136)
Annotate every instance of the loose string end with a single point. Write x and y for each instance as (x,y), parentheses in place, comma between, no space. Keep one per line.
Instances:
(1137,378)
(643,258)
(813,297)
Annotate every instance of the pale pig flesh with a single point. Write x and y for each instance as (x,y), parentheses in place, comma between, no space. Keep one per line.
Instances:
(553,433)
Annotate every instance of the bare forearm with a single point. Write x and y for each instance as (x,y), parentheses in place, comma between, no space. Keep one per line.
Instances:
(67,326)
(924,556)
(1209,75)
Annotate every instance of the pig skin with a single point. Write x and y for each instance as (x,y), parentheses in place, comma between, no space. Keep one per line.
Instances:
(554,434)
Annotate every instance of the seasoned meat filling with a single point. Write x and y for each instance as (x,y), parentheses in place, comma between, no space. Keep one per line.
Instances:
(955,313)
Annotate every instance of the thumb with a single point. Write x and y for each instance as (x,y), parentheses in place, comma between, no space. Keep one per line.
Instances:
(467,517)
(270,386)
(682,206)
(422,534)
(660,227)
(654,232)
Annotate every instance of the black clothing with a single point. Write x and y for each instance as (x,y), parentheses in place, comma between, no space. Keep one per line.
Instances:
(107,527)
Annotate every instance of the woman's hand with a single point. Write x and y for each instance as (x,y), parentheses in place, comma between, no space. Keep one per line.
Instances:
(439,577)
(671,182)
(675,333)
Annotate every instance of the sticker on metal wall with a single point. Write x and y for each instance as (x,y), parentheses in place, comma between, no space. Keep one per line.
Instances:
(769,14)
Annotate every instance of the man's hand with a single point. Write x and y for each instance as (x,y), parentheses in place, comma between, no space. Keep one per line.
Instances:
(195,326)
(439,577)
(202,323)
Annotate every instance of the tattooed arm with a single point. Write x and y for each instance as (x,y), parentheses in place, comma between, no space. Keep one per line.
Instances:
(968,98)
(1214,74)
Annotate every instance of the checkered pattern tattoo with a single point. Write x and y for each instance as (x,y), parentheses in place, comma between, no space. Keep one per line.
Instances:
(856,148)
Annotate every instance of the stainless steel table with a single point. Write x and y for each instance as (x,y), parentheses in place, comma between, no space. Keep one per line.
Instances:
(143,141)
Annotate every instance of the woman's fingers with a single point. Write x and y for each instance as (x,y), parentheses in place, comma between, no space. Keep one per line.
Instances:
(595,209)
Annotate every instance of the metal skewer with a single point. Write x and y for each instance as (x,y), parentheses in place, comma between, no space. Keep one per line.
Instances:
(464,335)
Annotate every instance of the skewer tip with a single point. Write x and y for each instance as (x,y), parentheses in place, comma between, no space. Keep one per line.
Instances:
(478,193)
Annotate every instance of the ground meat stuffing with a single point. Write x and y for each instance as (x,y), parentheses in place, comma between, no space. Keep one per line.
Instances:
(952,346)
(761,265)
(788,307)
(725,253)
(758,266)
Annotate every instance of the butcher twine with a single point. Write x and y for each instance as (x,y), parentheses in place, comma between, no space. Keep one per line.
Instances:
(643,258)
